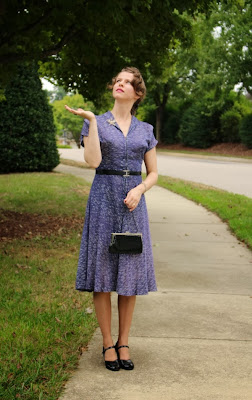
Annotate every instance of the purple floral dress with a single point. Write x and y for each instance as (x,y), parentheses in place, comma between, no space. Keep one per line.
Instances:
(99,270)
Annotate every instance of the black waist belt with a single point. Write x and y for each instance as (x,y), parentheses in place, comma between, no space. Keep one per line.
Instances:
(124,172)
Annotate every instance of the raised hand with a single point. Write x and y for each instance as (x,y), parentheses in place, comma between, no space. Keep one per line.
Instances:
(82,113)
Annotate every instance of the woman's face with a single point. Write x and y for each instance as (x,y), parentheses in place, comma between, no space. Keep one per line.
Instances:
(123,89)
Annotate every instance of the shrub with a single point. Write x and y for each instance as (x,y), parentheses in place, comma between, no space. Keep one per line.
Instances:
(147,115)
(245,131)
(27,132)
(197,127)
(171,122)
(230,122)
(171,125)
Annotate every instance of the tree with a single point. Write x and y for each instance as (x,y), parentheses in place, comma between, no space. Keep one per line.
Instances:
(164,77)
(220,56)
(214,58)
(57,93)
(27,132)
(234,41)
(81,48)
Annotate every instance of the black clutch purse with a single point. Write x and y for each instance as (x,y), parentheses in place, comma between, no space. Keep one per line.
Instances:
(126,243)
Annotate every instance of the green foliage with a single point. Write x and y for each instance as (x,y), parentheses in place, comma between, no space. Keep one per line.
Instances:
(233,43)
(230,121)
(220,56)
(146,110)
(27,132)
(106,102)
(171,125)
(213,120)
(197,127)
(246,130)
(215,57)
(235,107)
(147,113)
(57,93)
(171,122)
(84,55)
(67,121)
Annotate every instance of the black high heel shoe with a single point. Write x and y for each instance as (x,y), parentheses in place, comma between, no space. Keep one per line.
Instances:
(125,364)
(111,365)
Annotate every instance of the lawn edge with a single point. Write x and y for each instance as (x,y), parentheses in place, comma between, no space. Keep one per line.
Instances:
(207,207)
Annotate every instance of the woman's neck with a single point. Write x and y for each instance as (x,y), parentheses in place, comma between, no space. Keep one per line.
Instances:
(121,111)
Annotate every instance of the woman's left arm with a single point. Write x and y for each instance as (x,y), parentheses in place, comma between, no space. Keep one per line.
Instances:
(134,195)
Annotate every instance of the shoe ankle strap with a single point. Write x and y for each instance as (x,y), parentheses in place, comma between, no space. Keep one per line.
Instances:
(119,347)
(107,348)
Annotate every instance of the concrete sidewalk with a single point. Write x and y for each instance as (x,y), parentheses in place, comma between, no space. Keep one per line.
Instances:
(191,340)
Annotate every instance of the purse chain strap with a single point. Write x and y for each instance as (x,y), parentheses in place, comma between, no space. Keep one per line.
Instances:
(125,188)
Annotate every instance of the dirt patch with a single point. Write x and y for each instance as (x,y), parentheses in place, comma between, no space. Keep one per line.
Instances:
(231,149)
(16,225)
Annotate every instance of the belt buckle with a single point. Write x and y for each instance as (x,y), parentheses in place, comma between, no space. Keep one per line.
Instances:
(127,172)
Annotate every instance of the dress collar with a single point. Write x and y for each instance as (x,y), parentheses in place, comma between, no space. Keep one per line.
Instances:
(111,120)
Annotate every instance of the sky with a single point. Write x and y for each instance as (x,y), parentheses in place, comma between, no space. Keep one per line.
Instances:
(46,85)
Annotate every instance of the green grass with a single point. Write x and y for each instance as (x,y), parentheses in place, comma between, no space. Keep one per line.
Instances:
(45,323)
(52,193)
(64,146)
(234,209)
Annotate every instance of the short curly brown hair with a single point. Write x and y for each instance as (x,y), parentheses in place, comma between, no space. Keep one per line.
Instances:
(137,83)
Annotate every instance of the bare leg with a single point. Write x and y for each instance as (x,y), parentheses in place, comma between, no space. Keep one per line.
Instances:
(126,305)
(102,304)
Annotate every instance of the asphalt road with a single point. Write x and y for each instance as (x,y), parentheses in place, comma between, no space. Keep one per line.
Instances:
(231,174)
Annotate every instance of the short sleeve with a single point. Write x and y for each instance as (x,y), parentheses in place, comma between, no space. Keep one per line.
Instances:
(151,140)
(84,131)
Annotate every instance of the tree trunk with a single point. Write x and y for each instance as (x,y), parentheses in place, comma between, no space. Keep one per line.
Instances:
(161,103)
(249,92)
(159,121)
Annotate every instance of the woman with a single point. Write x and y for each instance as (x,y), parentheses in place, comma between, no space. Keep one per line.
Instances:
(116,143)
